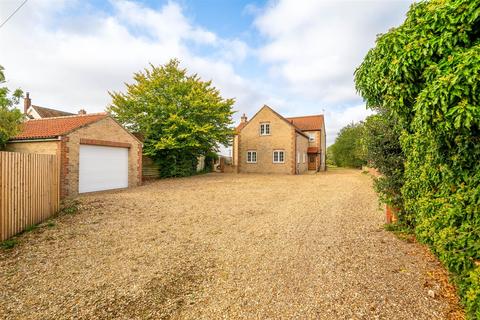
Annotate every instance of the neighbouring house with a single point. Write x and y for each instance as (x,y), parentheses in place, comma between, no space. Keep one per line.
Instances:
(36,112)
(271,143)
(95,152)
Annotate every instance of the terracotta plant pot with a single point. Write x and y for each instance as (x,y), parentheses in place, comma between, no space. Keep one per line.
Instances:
(391,214)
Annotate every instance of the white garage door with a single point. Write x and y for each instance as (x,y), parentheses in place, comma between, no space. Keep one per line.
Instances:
(102,168)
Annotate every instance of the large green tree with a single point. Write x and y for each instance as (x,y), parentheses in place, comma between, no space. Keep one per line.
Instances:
(10,117)
(347,149)
(426,73)
(180,116)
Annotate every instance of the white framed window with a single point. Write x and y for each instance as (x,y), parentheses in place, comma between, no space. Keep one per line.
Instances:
(311,136)
(304,157)
(251,156)
(265,129)
(278,156)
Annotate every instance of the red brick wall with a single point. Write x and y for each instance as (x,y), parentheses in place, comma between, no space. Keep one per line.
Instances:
(64,158)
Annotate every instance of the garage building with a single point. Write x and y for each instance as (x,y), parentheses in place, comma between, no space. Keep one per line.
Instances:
(95,152)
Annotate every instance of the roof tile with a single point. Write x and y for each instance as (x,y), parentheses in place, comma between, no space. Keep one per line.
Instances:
(240,127)
(304,123)
(307,123)
(54,127)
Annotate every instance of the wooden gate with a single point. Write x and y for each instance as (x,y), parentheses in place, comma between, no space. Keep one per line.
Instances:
(29,190)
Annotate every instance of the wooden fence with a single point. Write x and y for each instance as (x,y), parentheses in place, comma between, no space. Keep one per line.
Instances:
(29,190)
(150,169)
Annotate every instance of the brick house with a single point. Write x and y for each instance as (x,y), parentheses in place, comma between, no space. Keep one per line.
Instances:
(96,152)
(271,143)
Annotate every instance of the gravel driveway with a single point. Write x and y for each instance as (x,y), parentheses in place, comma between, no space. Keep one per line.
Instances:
(225,246)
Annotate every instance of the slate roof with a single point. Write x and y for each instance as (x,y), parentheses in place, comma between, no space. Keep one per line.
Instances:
(50,113)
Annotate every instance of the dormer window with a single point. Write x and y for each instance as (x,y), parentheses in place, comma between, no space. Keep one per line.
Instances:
(264,129)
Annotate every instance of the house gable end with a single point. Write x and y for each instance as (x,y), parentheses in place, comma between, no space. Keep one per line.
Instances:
(267,114)
(281,138)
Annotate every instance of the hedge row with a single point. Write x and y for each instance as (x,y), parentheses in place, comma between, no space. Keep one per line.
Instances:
(426,73)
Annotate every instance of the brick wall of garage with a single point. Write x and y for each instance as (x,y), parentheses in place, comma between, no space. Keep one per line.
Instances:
(103,130)
(282,137)
(41,147)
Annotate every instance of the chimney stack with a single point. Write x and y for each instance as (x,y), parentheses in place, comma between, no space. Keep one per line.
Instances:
(244,118)
(27,103)
(82,111)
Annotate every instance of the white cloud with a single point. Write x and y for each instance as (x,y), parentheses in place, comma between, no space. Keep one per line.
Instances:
(68,54)
(168,24)
(314,46)
(74,62)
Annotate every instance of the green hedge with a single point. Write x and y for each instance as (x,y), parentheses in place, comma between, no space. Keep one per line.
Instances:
(427,73)
(176,163)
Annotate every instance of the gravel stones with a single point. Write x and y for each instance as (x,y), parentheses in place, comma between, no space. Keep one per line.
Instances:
(225,246)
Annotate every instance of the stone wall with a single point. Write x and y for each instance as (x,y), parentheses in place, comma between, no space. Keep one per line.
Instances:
(302,146)
(282,137)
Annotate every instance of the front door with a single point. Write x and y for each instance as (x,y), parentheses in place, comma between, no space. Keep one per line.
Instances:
(312,162)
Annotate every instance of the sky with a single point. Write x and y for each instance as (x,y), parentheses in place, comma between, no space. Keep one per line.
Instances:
(297,56)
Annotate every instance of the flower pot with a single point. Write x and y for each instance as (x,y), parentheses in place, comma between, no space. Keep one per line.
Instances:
(391,214)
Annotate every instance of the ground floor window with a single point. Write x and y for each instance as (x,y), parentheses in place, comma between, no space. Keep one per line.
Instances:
(278,156)
(251,156)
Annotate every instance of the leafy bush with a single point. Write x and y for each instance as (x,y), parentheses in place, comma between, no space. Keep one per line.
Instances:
(347,149)
(210,159)
(426,73)
(176,163)
(383,151)
(329,160)
(10,117)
